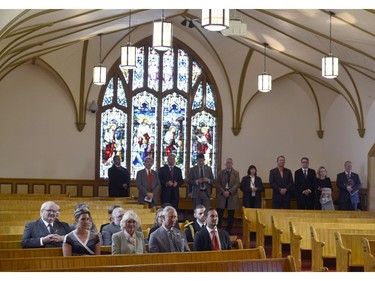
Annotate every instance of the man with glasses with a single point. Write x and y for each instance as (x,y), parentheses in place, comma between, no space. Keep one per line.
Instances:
(113,227)
(305,185)
(46,232)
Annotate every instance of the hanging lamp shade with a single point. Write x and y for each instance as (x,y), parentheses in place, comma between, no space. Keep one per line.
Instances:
(264,82)
(129,52)
(99,72)
(162,35)
(215,19)
(330,64)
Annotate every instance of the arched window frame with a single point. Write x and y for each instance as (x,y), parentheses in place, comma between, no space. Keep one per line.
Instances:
(204,78)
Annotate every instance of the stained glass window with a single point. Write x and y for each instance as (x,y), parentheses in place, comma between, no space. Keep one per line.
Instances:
(166,105)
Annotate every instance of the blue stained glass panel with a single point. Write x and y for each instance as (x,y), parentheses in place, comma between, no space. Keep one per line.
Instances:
(210,99)
(121,96)
(112,139)
(203,134)
(138,73)
(168,67)
(182,70)
(198,98)
(174,129)
(108,95)
(153,69)
(196,72)
(144,130)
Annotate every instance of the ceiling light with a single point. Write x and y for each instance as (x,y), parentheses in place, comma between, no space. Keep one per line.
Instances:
(264,79)
(100,72)
(162,36)
(330,64)
(215,19)
(129,52)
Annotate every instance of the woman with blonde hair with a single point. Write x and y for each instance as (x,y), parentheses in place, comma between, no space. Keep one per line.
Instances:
(323,199)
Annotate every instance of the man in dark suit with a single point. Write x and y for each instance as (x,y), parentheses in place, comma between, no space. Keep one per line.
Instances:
(348,184)
(113,227)
(196,225)
(148,184)
(119,179)
(281,181)
(211,238)
(201,179)
(46,232)
(171,179)
(305,185)
(167,238)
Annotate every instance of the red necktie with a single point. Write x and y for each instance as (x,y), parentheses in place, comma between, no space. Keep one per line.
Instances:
(215,243)
(171,169)
(150,180)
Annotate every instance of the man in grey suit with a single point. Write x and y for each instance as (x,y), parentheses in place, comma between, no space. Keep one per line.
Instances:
(167,238)
(113,227)
(148,184)
(46,232)
(228,181)
(201,179)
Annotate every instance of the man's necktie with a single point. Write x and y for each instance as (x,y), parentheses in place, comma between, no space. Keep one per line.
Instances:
(305,173)
(171,236)
(215,243)
(150,180)
(50,228)
(348,176)
(228,176)
(201,176)
(171,170)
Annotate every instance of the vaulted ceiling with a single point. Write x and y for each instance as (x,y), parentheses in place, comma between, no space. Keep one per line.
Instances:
(298,39)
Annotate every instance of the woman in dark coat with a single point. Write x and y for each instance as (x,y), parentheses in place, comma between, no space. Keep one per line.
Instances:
(252,188)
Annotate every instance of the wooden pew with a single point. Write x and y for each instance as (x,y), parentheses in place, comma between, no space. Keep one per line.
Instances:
(280,226)
(60,263)
(349,251)
(10,237)
(368,247)
(300,236)
(253,265)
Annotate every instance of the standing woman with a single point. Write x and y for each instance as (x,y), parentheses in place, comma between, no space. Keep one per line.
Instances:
(252,188)
(81,241)
(323,199)
(129,240)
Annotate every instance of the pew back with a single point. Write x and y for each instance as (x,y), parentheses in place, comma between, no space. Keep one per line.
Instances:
(368,255)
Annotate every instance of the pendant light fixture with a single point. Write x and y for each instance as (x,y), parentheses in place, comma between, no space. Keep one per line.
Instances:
(129,52)
(163,34)
(330,64)
(100,72)
(264,79)
(215,19)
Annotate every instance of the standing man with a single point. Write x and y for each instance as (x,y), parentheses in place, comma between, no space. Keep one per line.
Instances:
(196,225)
(46,232)
(167,238)
(200,183)
(171,179)
(348,184)
(228,181)
(119,179)
(281,181)
(148,184)
(305,185)
(211,238)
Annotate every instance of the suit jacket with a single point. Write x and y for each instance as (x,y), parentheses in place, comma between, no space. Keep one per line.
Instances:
(277,182)
(120,245)
(202,240)
(234,182)
(194,175)
(143,186)
(344,194)
(160,242)
(35,230)
(245,188)
(117,177)
(108,231)
(196,227)
(167,193)
(301,184)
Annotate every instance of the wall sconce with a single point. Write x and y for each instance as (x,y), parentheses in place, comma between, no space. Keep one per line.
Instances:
(163,35)
(100,72)
(129,52)
(264,79)
(215,19)
(93,107)
(330,64)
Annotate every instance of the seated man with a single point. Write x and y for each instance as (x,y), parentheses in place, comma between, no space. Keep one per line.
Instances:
(167,238)
(46,232)
(113,227)
(196,225)
(211,238)
(110,218)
